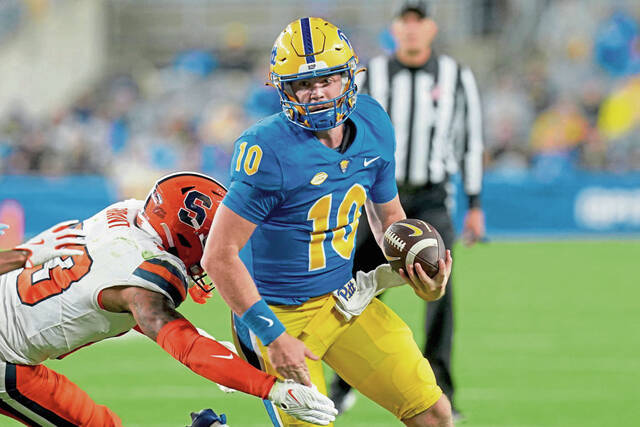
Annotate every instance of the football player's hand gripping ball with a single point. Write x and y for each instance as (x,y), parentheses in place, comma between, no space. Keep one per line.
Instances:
(53,242)
(429,288)
(302,402)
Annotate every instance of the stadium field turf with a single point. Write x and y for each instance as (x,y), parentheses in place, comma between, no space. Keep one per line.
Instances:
(547,335)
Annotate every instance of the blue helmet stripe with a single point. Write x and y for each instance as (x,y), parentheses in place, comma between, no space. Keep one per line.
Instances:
(307,40)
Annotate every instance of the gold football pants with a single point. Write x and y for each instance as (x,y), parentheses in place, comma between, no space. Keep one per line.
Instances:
(374,352)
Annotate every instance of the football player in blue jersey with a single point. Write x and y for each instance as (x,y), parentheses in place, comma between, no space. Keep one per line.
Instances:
(285,234)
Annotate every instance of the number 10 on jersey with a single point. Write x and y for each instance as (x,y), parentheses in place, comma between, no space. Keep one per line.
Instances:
(343,241)
(251,161)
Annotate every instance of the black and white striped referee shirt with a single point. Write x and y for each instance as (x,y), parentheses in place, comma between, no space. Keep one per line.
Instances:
(436,113)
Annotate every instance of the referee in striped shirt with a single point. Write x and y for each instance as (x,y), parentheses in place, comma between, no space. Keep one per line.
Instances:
(435,108)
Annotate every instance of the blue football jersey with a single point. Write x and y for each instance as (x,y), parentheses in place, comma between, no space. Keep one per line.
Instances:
(306,200)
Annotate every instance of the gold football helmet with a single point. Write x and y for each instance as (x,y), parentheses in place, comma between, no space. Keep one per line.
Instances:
(312,47)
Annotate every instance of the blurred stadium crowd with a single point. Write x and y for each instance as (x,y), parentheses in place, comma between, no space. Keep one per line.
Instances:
(560,82)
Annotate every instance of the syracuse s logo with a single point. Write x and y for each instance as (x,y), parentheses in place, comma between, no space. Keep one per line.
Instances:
(193,213)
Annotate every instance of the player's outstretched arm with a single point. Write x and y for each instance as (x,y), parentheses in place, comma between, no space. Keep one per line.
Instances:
(229,233)
(52,243)
(12,260)
(157,319)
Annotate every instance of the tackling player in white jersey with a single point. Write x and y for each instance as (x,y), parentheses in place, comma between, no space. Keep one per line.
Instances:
(135,267)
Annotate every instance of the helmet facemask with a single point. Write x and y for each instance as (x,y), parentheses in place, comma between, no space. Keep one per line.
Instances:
(198,275)
(200,278)
(334,112)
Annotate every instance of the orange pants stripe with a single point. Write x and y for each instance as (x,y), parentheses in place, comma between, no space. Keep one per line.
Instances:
(37,395)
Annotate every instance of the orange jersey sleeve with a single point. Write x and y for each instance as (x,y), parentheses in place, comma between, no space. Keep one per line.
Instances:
(212,360)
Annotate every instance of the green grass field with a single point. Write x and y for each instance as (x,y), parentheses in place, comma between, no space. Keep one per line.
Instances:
(548,334)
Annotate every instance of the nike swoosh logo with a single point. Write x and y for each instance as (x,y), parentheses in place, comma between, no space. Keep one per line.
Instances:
(392,258)
(292,396)
(416,230)
(228,356)
(40,242)
(367,162)
(266,319)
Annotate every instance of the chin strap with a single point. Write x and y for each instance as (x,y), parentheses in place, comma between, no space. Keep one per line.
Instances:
(359,71)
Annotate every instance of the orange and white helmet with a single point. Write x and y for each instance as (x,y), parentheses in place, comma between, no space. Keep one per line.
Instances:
(180,208)
(312,47)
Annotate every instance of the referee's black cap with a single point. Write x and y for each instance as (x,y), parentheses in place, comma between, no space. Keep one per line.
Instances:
(418,6)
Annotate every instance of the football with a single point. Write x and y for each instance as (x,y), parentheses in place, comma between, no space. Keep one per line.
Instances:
(410,241)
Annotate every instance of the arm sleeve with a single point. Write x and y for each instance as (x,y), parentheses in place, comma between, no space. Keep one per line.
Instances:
(472,138)
(256,179)
(212,360)
(251,203)
(385,187)
(255,163)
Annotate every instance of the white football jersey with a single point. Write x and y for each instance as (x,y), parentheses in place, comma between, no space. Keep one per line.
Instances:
(53,309)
